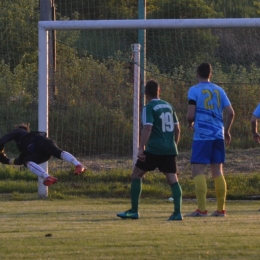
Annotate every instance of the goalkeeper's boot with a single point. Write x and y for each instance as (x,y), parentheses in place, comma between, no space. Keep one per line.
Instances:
(175,217)
(219,213)
(79,169)
(198,213)
(49,181)
(128,214)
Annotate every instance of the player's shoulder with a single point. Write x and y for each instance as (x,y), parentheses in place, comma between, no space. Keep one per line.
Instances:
(216,85)
(165,103)
(169,105)
(205,85)
(194,91)
(196,87)
(17,131)
(156,104)
(219,88)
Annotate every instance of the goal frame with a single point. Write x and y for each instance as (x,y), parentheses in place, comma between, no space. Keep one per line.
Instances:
(43,42)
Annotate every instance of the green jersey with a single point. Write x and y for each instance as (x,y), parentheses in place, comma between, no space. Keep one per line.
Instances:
(162,116)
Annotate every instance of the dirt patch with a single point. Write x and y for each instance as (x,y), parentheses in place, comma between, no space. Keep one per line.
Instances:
(242,161)
(237,161)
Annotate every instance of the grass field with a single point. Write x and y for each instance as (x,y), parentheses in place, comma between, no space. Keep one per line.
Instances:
(78,219)
(89,229)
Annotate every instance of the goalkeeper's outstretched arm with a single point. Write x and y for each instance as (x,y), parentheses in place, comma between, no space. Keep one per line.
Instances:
(15,161)
(3,158)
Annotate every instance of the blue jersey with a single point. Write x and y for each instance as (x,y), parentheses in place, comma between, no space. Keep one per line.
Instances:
(210,101)
(257,111)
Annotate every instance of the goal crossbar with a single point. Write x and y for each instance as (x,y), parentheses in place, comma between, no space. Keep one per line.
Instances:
(150,24)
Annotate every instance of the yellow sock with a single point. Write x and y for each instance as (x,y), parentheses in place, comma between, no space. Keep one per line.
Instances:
(221,192)
(201,191)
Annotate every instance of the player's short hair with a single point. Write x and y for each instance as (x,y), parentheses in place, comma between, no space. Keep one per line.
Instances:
(151,88)
(204,70)
(24,126)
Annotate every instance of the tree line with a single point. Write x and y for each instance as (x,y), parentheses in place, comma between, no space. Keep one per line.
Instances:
(92,109)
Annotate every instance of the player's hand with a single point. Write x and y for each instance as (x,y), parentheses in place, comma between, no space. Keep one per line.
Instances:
(3,158)
(191,126)
(141,155)
(256,137)
(227,138)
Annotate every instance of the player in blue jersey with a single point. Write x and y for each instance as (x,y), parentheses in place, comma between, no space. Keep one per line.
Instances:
(206,104)
(254,123)
(158,149)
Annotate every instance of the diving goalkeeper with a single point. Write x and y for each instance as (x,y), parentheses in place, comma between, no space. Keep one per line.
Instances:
(35,148)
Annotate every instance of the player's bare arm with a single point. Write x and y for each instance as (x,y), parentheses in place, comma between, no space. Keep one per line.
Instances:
(145,134)
(191,115)
(177,132)
(254,128)
(230,114)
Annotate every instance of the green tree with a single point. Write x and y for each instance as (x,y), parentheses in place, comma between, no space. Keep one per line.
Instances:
(236,8)
(99,9)
(18,30)
(175,46)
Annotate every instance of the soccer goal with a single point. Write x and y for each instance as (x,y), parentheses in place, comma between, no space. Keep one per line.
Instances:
(173,80)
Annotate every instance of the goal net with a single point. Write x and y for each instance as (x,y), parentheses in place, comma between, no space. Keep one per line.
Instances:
(86,102)
(90,107)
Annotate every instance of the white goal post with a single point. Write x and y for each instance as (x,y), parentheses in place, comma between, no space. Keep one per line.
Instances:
(43,42)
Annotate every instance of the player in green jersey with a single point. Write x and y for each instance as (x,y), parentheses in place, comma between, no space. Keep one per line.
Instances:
(158,149)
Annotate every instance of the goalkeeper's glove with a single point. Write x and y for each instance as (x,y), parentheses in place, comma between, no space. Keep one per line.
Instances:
(3,158)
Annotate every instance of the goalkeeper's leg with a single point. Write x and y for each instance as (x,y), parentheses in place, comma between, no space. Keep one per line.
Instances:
(39,171)
(79,168)
(220,189)
(52,148)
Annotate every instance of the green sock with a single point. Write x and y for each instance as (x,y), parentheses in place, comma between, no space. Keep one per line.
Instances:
(136,189)
(177,197)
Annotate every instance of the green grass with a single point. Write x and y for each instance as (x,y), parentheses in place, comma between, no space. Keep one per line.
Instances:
(89,229)
(78,219)
(115,183)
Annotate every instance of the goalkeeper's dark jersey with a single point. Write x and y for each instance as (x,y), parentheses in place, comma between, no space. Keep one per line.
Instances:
(22,138)
(162,116)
